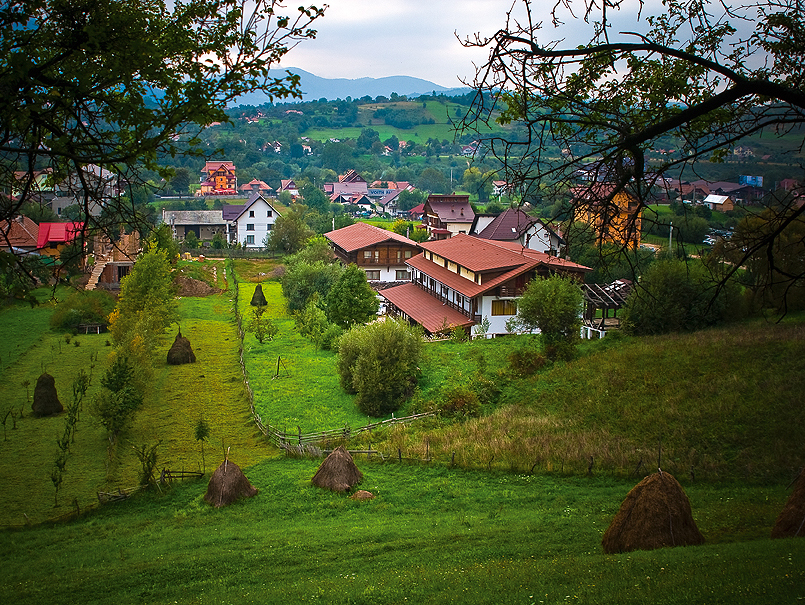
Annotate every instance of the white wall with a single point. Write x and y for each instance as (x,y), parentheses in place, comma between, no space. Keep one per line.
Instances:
(261,222)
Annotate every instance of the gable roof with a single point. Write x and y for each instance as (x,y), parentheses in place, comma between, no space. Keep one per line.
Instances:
(230,212)
(351,176)
(256,197)
(361,235)
(19,232)
(256,185)
(210,167)
(510,225)
(57,233)
(504,260)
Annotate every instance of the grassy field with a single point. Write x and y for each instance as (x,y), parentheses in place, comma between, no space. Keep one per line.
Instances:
(431,535)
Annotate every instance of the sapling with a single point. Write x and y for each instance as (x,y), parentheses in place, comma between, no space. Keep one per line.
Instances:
(202,433)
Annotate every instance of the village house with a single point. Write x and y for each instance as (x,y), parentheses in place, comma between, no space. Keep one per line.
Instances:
(113,260)
(720,203)
(380,253)
(204,223)
(514,225)
(218,178)
(615,216)
(447,215)
(350,183)
(19,235)
(52,238)
(461,281)
(252,224)
(256,186)
(289,185)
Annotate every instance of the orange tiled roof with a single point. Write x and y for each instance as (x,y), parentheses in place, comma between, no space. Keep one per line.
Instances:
(423,308)
(19,232)
(361,235)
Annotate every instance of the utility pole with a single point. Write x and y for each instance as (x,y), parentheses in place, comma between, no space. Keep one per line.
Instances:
(670,235)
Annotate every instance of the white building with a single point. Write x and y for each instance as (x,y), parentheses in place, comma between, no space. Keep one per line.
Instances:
(255,222)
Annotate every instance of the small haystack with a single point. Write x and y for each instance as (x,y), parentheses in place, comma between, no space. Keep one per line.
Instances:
(338,471)
(46,400)
(227,484)
(258,298)
(791,522)
(181,352)
(655,514)
(362,494)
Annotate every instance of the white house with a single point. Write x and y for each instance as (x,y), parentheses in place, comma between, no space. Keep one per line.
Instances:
(463,280)
(514,225)
(254,222)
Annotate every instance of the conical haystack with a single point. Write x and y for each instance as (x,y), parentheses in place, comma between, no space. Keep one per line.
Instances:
(791,522)
(227,484)
(655,514)
(46,400)
(258,298)
(181,352)
(338,471)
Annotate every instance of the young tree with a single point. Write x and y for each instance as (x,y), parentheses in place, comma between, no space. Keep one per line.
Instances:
(94,85)
(351,300)
(553,305)
(695,77)
(380,362)
(290,232)
(302,280)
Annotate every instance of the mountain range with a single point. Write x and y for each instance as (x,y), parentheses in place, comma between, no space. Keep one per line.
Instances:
(315,87)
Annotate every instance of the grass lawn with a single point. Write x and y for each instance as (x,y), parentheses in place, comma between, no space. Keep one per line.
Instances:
(431,535)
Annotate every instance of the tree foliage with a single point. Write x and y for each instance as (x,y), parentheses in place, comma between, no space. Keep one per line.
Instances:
(553,305)
(694,79)
(302,280)
(380,363)
(677,296)
(351,300)
(109,87)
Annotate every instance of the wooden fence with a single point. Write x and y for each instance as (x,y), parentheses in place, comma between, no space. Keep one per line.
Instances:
(299,441)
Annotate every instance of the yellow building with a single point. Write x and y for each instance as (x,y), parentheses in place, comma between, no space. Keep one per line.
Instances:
(615,216)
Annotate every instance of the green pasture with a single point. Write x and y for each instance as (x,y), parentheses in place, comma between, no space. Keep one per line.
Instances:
(305,393)
(178,396)
(430,535)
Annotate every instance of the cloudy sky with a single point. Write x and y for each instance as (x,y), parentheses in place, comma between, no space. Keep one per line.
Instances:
(377,38)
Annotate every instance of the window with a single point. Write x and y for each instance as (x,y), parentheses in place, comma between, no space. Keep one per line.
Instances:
(251,213)
(269,227)
(373,275)
(249,239)
(269,214)
(367,254)
(504,307)
(249,226)
(403,275)
(407,254)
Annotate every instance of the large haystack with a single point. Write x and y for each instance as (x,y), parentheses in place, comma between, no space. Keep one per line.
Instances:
(791,522)
(338,471)
(181,352)
(228,484)
(46,400)
(258,298)
(655,514)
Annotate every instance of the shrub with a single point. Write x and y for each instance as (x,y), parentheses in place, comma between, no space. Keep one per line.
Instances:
(459,401)
(82,307)
(525,361)
(380,363)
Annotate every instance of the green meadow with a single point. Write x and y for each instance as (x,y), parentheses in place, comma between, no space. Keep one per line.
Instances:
(503,508)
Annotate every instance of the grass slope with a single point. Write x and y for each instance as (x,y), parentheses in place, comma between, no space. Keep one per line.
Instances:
(432,535)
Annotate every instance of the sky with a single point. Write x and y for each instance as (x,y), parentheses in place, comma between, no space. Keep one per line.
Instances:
(378,38)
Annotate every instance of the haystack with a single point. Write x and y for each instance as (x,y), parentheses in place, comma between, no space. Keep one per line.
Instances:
(338,471)
(227,484)
(181,352)
(655,514)
(46,400)
(258,298)
(791,522)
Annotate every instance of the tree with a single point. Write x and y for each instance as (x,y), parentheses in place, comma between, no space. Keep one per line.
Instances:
(692,77)
(553,305)
(380,363)
(433,180)
(181,180)
(679,296)
(146,306)
(351,300)
(302,280)
(290,232)
(97,87)
(315,198)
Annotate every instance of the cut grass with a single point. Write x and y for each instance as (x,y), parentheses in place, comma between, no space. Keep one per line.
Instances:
(431,535)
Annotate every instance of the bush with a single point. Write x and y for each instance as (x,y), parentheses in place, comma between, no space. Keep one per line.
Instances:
(380,363)
(525,361)
(83,307)
(459,401)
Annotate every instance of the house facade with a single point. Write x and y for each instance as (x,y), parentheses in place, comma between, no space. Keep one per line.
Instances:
(380,253)
(464,280)
(350,184)
(218,178)
(447,215)
(254,222)
(204,223)
(616,216)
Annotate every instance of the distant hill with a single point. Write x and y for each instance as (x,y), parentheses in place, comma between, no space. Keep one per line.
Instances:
(315,87)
